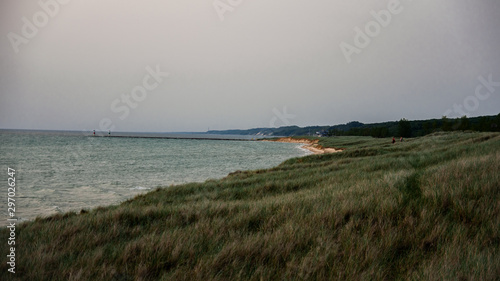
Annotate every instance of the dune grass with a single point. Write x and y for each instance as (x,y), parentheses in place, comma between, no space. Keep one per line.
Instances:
(424,209)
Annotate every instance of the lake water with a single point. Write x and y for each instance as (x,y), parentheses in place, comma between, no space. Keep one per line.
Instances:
(64,171)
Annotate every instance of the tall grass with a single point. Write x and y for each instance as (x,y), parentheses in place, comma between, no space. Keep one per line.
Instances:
(427,208)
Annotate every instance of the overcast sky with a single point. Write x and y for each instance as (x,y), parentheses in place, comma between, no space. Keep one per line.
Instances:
(94,64)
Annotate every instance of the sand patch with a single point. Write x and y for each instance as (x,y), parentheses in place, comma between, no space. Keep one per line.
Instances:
(311,145)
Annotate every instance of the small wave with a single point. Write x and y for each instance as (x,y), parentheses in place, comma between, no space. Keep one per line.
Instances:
(44,190)
(56,209)
(140,188)
(306,151)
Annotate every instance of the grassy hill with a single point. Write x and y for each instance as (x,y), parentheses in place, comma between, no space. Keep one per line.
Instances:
(427,208)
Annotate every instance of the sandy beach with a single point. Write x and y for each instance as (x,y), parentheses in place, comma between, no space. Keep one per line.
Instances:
(310,145)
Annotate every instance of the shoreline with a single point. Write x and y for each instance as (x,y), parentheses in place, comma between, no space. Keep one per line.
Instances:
(42,203)
(310,145)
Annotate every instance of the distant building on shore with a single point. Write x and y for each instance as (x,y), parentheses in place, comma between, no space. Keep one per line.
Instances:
(322,133)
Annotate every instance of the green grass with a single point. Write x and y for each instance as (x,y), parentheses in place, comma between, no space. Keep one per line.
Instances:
(424,209)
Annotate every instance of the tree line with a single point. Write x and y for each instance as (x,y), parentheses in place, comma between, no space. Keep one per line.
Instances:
(405,128)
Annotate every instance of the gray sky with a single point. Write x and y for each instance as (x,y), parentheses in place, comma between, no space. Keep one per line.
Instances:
(248,64)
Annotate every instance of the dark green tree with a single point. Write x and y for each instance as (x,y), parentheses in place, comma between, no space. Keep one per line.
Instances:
(379,132)
(464,123)
(427,127)
(434,126)
(496,124)
(446,124)
(404,128)
(483,124)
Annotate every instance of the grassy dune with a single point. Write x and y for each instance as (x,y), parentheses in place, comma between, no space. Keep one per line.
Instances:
(424,209)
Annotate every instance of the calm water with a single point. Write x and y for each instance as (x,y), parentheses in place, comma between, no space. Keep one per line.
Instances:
(59,172)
